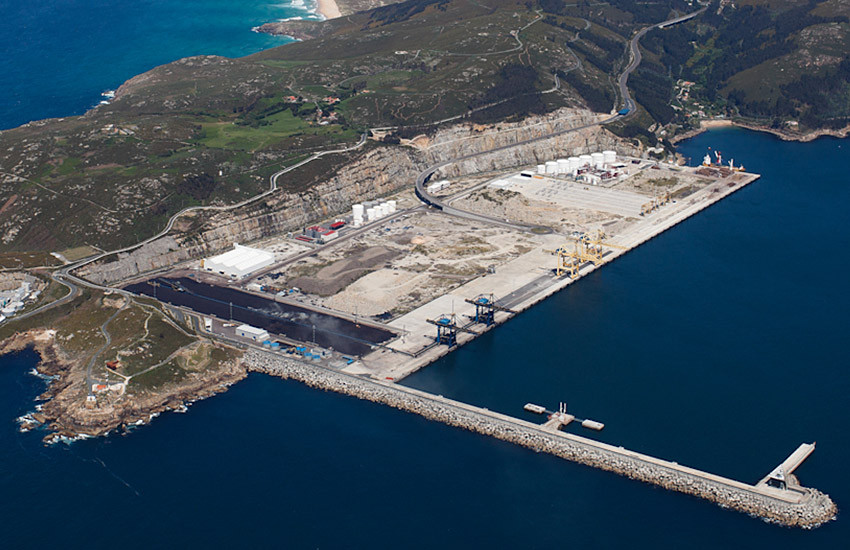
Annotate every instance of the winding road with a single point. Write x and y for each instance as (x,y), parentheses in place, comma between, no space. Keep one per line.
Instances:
(627,109)
(65,276)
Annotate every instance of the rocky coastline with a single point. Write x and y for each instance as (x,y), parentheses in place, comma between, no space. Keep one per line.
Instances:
(785,135)
(63,413)
(813,510)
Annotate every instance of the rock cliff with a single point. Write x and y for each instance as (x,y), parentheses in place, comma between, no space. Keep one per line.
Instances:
(376,172)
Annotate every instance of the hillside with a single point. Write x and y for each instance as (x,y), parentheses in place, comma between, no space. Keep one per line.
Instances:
(767,61)
(210,130)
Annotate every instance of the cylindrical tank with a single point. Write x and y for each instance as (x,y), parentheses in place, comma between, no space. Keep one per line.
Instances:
(610,157)
(358,222)
(551,167)
(393,205)
(357,211)
(574,163)
(585,160)
(541,168)
(370,214)
(598,160)
(563,166)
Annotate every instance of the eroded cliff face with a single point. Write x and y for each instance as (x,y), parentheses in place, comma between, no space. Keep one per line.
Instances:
(375,173)
(64,411)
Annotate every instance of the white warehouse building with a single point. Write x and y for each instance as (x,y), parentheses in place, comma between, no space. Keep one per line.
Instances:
(253,333)
(239,262)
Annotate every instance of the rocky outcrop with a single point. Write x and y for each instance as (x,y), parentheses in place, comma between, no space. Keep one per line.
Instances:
(64,411)
(812,510)
(379,171)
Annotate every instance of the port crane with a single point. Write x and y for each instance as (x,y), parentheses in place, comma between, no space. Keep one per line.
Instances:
(447,329)
(656,203)
(486,308)
(586,248)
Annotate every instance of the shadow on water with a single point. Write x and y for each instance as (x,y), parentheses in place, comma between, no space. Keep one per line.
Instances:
(286,320)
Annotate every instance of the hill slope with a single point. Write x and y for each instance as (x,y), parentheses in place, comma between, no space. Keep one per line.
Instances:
(210,130)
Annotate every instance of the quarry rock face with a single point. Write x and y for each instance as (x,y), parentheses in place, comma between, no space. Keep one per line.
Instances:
(375,173)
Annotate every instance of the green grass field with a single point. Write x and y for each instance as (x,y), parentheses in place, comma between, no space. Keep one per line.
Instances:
(272,130)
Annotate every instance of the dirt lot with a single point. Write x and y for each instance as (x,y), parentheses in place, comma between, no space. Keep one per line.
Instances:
(401,265)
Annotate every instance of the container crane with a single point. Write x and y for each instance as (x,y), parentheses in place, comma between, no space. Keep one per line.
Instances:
(447,329)
(486,308)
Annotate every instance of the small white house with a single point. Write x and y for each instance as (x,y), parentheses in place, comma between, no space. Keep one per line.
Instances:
(253,333)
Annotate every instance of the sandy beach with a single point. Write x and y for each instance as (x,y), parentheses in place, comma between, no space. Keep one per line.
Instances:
(328,9)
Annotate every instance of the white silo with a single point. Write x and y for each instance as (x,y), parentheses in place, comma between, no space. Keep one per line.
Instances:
(393,205)
(572,164)
(541,168)
(598,160)
(610,157)
(371,214)
(551,167)
(357,222)
(563,166)
(584,160)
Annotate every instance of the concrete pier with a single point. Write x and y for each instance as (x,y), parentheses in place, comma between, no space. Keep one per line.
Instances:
(523,283)
(799,507)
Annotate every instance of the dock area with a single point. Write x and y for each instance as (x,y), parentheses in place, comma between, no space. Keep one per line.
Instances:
(528,279)
(801,507)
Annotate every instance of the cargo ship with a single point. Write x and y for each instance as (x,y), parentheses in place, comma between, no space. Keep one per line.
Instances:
(706,161)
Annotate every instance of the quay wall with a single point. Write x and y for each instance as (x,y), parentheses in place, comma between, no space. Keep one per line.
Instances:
(803,507)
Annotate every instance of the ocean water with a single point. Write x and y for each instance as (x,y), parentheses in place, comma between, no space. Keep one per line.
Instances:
(59,55)
(719,344)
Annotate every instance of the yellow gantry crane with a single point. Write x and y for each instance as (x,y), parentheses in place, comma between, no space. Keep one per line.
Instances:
(587,248)
(656,203)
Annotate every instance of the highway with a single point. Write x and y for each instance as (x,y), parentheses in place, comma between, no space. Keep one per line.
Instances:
(66,278)
(636,58)
(627,109)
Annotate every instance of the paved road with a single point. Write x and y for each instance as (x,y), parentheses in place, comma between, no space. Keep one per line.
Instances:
(634,46)
(89,380)
(65,277)
(628,103)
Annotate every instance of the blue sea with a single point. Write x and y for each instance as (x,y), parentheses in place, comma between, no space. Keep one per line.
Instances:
(58,56)
(720,344)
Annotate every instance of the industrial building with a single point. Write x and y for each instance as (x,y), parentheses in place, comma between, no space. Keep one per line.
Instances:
(239,262)
(254,333)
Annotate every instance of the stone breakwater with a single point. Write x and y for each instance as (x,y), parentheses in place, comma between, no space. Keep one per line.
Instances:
(803,507)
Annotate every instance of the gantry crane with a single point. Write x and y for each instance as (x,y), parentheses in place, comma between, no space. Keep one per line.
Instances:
(586,248)
(447,329)
(656,203)
(486,308)
(598,238)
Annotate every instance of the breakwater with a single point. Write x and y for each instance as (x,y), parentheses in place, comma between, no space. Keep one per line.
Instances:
(797,507)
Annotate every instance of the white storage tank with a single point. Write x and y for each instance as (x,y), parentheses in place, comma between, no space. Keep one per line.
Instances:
(551,167)
(357,211)
(573,164)
(357,222)
(370,214)
(598,160)
(541,168)
(584,160)
(610,157)
(563,166)
(393,205)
